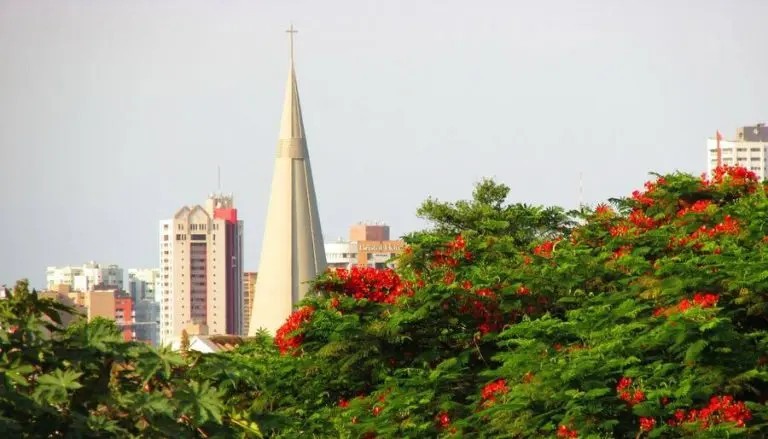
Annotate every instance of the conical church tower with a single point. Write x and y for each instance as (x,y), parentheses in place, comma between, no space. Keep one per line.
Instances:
(292,251)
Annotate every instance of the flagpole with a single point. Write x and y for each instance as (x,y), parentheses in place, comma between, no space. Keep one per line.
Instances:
(719,150)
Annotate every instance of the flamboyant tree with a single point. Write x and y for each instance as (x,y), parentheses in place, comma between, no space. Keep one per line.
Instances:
(646,318)
(642,318)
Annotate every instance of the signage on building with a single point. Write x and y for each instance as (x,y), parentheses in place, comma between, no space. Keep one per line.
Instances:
(381,246)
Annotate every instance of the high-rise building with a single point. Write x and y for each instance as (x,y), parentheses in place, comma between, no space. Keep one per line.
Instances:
(369,245)
(85,277)
(201,256)
(292,252)
(748,149)
(249,288)
(142,283)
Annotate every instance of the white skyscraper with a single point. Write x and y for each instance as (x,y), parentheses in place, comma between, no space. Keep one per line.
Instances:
(292,251)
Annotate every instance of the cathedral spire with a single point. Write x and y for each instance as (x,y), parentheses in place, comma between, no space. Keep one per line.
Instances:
(291,124)
(292,252)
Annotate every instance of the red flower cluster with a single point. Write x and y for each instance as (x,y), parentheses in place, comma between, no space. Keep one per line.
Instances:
(619,230)
(702,300)
(728,226)
(492,390)
(443,420)
(383,286)
(286,338)
(735,175)
(647,424)
(545,249)
(566,433)
(626,394)
(485,309)
(452,253)
(640,219)
(650,186)
(697,207)
(603,210)
(720,409)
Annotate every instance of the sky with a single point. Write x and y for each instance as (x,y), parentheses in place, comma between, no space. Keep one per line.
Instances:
(114,114)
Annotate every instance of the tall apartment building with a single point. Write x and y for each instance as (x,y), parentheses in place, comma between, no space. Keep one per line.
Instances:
(85,277)
(749,149)
(368,245)
(201,254)
(249,288)
(143,282)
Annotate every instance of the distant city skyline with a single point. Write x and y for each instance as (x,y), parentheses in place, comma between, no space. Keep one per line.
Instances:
(110,112)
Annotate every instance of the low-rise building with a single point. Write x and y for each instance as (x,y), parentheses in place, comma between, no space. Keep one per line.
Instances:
(369,245)
(109,304)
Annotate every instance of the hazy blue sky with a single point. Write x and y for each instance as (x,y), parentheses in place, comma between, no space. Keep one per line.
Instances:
(113,114)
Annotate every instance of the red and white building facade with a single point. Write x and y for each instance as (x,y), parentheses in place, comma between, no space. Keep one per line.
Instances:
(201,270)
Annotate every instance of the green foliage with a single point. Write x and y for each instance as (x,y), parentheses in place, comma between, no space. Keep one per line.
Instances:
(521,321)
(84,381)
(646,318)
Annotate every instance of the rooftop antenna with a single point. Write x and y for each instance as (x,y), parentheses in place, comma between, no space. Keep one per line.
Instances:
(581,189)
(218,177)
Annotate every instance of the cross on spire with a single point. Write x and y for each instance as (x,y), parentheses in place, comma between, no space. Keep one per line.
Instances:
(291,31)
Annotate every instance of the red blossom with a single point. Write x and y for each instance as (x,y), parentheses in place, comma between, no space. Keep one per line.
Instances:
(630,397)
(647,424)
(701,300)
(523,290)
(640,219)
(494,389)
(443,419)
(720,409)
(732,175)
(376,285)
(603,210)
(619,230)
(697,207)
(545,248)
(705,300)
(286,338)
(566,433)
(343,403)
